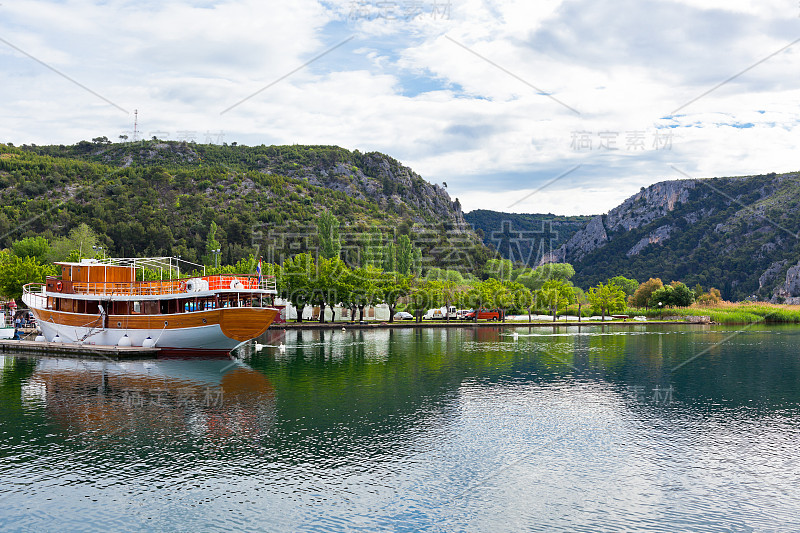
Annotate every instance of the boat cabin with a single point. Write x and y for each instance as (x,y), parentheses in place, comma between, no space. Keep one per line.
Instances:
(111,287)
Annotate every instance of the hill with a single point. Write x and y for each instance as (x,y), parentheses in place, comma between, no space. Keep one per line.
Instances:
(161,197)
(738,234)
(512,234)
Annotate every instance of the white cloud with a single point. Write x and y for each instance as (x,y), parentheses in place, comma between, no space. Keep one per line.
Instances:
(403,88)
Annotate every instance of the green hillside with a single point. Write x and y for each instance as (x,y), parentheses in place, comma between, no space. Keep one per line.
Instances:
(161,197)
(494,228)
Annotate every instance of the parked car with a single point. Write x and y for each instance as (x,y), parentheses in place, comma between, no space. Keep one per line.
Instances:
(402,315)
(441,313)
(485,314)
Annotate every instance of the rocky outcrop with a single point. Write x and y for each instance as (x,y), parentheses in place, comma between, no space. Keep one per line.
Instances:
(384,180)
(789,292)
(584,241)
(659,235)
(639,210)
(771,273)
(647,205)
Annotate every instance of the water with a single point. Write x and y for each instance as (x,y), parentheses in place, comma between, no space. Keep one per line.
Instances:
(606,429)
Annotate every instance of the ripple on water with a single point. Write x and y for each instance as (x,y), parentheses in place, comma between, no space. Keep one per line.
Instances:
(423,431)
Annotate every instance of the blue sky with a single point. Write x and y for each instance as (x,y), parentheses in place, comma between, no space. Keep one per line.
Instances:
(494,98)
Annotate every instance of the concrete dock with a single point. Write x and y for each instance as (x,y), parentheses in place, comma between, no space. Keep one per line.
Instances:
(78,350)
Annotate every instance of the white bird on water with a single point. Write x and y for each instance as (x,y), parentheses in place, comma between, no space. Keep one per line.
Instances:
(259,347)
(282,348)
(515,335)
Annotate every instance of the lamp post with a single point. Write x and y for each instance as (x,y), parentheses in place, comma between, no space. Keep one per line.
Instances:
(100,248)
(216,257)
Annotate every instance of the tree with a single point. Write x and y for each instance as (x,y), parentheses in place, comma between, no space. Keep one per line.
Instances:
(535,279)
(627,285)
(698,291)
(297,282)
(712,297)
(416,263)
(330,244)
(642,295)
(373,248)
(77,244)
(364,291)
(557,294)
(499,269)
(561,271)
(581,298)
(36,247)
(676,294)
(212,244)
(521,297)
(389,257)
(15,272)
(607,298)
(393,286)
(328,284)
(682,296)
(405,254)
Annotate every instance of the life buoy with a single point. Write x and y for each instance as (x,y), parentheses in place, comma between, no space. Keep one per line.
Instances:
(183,286)
(59,286)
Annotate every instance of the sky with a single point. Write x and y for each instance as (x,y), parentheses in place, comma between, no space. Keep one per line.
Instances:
(564,107)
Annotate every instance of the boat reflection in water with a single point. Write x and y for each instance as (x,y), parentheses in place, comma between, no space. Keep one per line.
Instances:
(206,398)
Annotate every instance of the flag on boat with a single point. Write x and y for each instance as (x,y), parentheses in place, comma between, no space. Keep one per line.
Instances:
(258,270)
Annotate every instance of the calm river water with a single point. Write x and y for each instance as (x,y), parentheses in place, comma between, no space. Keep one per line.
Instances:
(604,429)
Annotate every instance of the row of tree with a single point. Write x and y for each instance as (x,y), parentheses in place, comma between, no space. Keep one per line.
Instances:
(390,273)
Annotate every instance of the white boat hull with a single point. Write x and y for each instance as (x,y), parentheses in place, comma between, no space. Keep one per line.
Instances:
(203,338)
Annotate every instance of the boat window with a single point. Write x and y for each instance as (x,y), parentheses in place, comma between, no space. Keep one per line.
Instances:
(137,308)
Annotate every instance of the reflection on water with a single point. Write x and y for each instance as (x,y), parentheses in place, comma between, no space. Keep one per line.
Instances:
(416,429)
(145,398)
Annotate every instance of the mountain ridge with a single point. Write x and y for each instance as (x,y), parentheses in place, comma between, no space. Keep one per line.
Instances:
(160,198)
(738,233)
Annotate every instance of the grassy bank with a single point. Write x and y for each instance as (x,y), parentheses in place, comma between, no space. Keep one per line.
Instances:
(731,313)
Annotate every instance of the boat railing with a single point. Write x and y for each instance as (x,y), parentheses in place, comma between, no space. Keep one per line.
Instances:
(35,293)
(168,287)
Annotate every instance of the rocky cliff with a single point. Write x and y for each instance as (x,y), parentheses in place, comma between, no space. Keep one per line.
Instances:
(639,210)
(739,234)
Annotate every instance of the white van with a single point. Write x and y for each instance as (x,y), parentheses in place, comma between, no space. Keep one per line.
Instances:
(441,313)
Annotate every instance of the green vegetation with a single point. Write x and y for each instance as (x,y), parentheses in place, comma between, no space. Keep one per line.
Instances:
(607,298)
(732,313)
(158,198)
(553,230)
(727,233)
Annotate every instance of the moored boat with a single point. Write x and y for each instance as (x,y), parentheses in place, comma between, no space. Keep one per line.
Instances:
(102,302)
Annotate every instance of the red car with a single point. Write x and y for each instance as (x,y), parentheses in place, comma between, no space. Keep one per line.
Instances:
(485,314)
